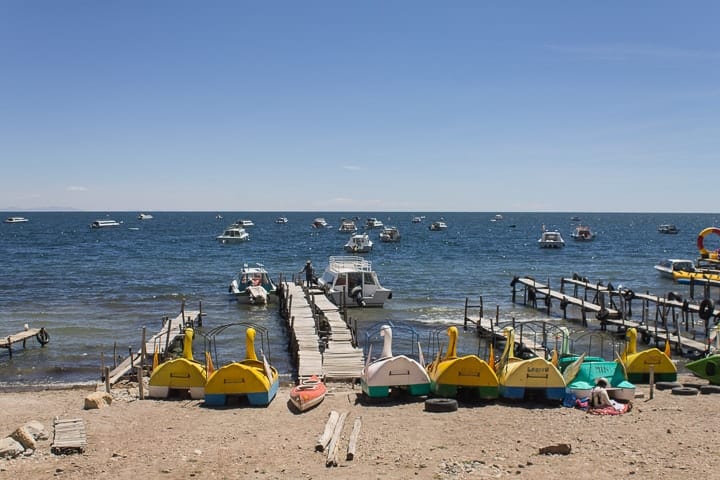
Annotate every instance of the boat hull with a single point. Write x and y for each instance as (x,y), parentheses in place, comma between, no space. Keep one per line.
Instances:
(179,375)
(638,367)
(532,378)
(707,368)
(308,394)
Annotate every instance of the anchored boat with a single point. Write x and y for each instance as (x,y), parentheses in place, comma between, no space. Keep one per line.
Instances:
(351,282)
(253,285)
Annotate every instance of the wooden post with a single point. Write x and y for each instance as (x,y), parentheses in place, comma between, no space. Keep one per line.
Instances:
(114,355)
(143,349)
(131,357)
(652,382)
(354,438)
(107,379)
(141,390)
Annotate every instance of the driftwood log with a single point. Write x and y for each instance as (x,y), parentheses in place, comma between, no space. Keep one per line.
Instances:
(324,439)
(354,438)
(333,446)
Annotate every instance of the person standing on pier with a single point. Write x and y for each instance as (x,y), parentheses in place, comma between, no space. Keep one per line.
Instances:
(308,269)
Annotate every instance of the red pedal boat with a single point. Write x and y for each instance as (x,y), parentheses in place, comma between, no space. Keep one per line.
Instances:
(308,393)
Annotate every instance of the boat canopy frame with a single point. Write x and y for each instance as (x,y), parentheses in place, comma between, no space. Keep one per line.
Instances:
(210,339)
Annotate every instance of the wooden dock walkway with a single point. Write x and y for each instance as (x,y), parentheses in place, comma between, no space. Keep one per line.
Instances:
(171,329)
(40,335)
(321,342)
(674,318)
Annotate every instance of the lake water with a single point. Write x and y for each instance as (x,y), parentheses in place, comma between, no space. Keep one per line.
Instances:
(94,289)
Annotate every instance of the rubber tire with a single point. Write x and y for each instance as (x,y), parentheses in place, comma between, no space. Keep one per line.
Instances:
(603,314)
(687,391)
(693,385)
(705,310)
(667,385)
(441,405)
(708,389)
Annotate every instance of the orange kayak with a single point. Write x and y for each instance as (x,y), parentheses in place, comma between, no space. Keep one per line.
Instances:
(308,393)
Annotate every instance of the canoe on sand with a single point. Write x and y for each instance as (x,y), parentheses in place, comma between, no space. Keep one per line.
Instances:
(308,393)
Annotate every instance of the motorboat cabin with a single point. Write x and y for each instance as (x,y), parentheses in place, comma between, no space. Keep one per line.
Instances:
(390,234)
(319,222)
(145,216)
(347,226)
(583,233)
(438,225)
(246,223)
(373,222)
(253,285)
(350,281)
(667,267)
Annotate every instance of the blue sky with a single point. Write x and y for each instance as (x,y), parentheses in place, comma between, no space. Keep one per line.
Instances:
(360,106)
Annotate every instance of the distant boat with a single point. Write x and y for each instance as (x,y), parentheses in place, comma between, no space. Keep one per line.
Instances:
(583,233)
(281,220)
(16,220)
(359,243)
(390,234)
(145,216)
(550,239)
(373,222)
(233,234)
(319,222)
(497,218)
(104,223)
(245,223)
(668,228)
(438,225)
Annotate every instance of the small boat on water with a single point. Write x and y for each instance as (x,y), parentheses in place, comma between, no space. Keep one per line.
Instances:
(417,219)
(637,364)
(233,234)
(181,376)
(497,218)
(104,224)
(550,239)
(347,226)
(319,222)
(308,393)
(15,220)
(145,216)
(351,282)
(390,234)
(244,222)
(450,374)
(253,285)
(281,220)
(390,371)
(668,228)
(359,243)
(583,233)
(250,378)
(373,222)
(438,225)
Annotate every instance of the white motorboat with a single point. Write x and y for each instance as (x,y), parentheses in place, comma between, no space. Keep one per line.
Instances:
(668,228)
(145,216)
(347,226)
(417,219)
(438,225)
(583,233)
(16,220)
(390,234)
(253,285)
(245,223)
(104,223)
(497,218)
(550,239)
(319,222)
(350,281)
(233,234)
(359,243)
(373,222)
(281,220)
(667,267)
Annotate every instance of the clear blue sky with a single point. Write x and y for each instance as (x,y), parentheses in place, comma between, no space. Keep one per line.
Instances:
(360,106)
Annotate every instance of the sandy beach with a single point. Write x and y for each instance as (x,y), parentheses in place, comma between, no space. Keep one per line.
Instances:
(669,436)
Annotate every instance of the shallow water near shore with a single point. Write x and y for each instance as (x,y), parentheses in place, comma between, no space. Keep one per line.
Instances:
(95,289)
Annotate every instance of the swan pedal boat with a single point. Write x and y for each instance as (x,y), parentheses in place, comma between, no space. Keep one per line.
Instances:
(637,364)
(451,374)
(180,375)
(251,378)
(393,371)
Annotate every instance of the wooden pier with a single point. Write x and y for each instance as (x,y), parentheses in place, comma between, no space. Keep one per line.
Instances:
(170,330)
(40,334)
(321,342)
(674,318)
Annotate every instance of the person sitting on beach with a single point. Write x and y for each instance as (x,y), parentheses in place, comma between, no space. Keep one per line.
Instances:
(600,397)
